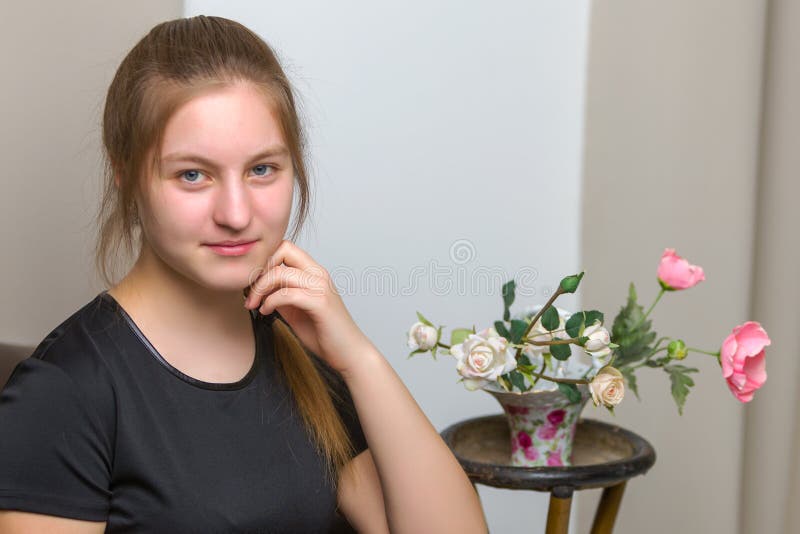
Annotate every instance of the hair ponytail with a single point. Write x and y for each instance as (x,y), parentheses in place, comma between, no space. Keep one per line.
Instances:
(314,397)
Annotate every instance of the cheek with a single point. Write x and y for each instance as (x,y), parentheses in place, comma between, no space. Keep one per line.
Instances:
(174,216)
(274,208)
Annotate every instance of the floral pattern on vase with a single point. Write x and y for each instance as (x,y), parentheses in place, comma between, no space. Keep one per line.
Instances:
(542,425)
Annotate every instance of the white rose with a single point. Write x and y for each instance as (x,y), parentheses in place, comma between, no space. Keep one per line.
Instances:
(607,387)
(483,357)
(422,336)
(599,338)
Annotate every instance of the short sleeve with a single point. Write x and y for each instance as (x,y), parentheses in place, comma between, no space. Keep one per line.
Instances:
(55,456)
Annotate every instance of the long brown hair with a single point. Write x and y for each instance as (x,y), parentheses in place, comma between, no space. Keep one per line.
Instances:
(175,62)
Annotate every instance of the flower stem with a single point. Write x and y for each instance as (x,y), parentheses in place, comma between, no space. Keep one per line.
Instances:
(653,305)
(715,354)
(539,374)
(561,380)
(644,362)
(555,341)
(536,318)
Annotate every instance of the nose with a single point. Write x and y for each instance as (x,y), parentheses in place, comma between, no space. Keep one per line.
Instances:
(232,205)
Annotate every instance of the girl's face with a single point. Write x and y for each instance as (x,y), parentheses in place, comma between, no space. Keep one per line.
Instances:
(226,176)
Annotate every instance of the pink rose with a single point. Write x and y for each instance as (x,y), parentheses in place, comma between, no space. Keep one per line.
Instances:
(554,458)
(556,417)
(742,360)
(516,410)
(531,453)
(675,272)
(546,432)
(524,439)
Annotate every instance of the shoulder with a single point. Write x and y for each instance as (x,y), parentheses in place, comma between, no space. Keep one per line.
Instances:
(58,415)
(72,357)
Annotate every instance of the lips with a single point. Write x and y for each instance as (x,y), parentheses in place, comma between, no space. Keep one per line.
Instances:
(231,243)
(231,248)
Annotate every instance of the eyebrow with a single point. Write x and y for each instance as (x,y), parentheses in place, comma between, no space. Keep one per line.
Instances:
(273,151)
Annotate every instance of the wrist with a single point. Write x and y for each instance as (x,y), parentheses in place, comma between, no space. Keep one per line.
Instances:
(366,359)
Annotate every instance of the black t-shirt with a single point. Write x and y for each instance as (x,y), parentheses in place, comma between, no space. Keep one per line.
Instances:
(96,425)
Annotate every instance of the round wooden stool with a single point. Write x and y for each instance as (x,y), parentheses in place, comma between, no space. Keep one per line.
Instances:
(603,456)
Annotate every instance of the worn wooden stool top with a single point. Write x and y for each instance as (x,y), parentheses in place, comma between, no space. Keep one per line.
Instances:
(602,455)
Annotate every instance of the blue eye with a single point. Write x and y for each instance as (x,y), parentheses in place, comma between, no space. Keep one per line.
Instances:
(265,169)
(185,175)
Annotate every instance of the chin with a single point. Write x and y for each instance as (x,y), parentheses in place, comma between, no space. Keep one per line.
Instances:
(226,279)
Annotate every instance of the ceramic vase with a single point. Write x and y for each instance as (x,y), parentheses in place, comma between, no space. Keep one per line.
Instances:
(541,425)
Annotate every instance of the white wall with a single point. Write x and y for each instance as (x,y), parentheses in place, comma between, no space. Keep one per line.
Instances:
(434,122)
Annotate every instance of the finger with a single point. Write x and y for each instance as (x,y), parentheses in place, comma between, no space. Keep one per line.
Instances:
(287,296)
(280,277)
(293,256)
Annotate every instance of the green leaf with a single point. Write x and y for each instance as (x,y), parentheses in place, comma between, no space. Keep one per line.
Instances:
(570,391)
(509,289)
(630,380)
(458,335)
(580,320)
(423,320)
(631,332)
(524,360)
(517,379)
(418,351)
(560,352)
(681,382)
(518,328)
(550,318)
(574,324)
(500,326)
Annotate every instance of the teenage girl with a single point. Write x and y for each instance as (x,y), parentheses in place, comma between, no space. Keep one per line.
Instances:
(220,384)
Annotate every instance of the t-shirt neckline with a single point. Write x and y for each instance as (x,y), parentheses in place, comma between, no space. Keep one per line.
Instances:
(219,386)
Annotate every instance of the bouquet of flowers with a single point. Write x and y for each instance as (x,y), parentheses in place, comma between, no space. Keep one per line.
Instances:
(533,350)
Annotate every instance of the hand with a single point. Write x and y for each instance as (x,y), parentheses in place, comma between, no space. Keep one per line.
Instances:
(303,293)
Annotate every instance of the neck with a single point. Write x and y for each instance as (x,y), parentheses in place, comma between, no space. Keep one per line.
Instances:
(155,290)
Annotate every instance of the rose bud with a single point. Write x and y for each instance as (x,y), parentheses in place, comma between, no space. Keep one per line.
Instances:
(676,273)
(422,336)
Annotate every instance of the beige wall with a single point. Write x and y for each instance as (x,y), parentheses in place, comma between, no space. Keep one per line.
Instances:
(771,465)
(58,60)
(671,158)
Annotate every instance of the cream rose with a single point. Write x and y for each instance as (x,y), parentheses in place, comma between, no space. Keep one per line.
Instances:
(607,387)
(599,338)
(422,336)
(483,357)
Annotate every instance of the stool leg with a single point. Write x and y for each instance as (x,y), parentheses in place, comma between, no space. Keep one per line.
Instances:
(607,509)
(558,515)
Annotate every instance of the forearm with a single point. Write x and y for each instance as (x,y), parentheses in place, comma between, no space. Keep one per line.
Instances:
(424,487)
